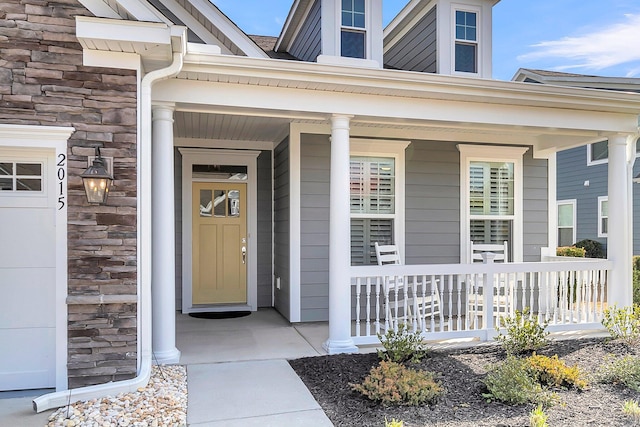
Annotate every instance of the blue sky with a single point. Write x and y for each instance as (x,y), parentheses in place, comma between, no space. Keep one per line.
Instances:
(600,37)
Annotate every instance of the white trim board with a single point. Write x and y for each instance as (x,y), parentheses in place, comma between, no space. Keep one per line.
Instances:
(191,156)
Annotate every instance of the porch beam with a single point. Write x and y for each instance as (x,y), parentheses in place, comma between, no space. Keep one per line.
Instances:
(619,237)
(163,237)
(340,340)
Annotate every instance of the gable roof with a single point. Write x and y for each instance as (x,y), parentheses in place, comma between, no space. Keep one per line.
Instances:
(205,22)
(627,84)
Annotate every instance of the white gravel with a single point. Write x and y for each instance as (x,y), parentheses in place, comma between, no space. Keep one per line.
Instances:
(163,402)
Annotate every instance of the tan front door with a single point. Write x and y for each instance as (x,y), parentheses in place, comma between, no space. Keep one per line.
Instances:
(219,243)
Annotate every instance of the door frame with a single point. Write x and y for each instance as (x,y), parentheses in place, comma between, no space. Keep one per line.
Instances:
(248,158)
(53,139)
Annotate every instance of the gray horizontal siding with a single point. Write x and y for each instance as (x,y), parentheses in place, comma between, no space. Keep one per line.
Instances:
(308,43)
(282,228)
(535,215)
(417,50)
(264,211)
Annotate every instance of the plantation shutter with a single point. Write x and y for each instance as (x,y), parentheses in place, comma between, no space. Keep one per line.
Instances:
(372,187)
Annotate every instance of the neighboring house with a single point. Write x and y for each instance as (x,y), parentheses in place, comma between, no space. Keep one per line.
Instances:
(243,164)
(582,192)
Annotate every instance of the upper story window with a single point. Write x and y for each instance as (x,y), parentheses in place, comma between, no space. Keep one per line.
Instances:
(353,33)
(598,152)
(466,42)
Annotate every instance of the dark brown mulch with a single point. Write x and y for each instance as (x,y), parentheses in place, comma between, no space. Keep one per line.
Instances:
(461,373)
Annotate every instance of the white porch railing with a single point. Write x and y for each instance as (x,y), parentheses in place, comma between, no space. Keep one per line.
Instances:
(467,300)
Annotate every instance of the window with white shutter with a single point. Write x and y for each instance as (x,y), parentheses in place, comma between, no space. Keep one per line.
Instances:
(491,197)
(373,201)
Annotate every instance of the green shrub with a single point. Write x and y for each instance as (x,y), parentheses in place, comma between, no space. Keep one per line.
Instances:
(631,409)
(636,262)
(593,248)
(394,384)
(570,251)
(524,333)
(511,382)
(537,417)
(402,345)
(624,370)
(623,323)
(552,371)
(636,286)
(393,423)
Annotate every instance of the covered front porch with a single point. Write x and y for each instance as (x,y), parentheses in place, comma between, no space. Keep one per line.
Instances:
(304,128)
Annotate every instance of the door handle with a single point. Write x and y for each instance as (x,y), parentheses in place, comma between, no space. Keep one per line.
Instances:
(244,254)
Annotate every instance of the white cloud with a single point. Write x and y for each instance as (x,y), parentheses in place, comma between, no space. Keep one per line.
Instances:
(608,47)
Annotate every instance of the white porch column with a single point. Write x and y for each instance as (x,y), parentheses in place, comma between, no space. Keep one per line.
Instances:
(339,241)
(620,239)
(163,238)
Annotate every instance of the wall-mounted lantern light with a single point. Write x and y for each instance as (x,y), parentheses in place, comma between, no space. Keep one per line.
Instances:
(97,181)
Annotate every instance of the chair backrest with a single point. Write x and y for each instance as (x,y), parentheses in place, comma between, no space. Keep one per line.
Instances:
(501,251)
(387,254)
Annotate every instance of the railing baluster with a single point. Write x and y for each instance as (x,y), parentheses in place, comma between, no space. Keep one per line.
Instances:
(368,309)
(358,283)
(377,305)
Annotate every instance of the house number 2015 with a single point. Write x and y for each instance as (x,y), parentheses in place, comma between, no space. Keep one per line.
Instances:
(61,175)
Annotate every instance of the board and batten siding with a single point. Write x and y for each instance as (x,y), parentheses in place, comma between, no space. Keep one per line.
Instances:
(308,43)
(417,50)
(535,199)
(281,234)
(572,172)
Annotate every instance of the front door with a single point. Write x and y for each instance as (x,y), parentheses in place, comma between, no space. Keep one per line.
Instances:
(219,243)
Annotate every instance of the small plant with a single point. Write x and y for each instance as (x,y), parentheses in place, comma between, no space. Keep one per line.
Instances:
(593,248)
(402,345)
(394,384)
(624,370)
(631,409)
(524,333)
(623,323)
(511,382)
(393,423)
(537,417)
(553,372)
(570,251)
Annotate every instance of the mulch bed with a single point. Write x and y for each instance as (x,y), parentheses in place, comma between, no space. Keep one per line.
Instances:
(461,373)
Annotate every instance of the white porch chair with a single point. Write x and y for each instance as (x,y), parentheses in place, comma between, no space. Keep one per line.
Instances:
(503,297)
(397,309)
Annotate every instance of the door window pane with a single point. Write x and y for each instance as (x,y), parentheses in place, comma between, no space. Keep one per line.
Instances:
(31,169)
(6,168)
(206,204)
(234,203)
(21,177)
(6,184)
(26,184)
(219,205)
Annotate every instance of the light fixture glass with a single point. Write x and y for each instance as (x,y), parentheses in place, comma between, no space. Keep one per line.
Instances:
(97,181)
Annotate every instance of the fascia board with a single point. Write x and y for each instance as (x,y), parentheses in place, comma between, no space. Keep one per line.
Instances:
(142,10)
(381,81)
(228,28)
(150,33)
(295,19)
(100,9)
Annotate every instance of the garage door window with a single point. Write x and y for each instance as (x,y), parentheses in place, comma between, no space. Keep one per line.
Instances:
(17,177)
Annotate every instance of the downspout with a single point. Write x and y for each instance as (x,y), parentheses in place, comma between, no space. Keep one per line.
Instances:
(65,397)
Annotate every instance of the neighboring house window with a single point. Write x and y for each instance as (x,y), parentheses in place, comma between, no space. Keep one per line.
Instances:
(353,33)
(491,208)
(466,41)
(372,206)
(566,222)
(603,216)
(598,152)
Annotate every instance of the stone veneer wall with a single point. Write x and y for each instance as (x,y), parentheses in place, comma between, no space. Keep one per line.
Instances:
(43,82)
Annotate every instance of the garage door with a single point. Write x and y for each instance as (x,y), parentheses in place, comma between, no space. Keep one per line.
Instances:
(27,269)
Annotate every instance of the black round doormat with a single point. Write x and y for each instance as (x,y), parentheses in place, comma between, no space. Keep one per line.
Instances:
(220,314)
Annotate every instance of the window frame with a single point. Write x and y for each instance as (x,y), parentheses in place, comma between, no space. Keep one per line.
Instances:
(591,162)
(488,153)
(601,217)
(15,198)
(574,223)
(455,41)
(391,149)
(352,29)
